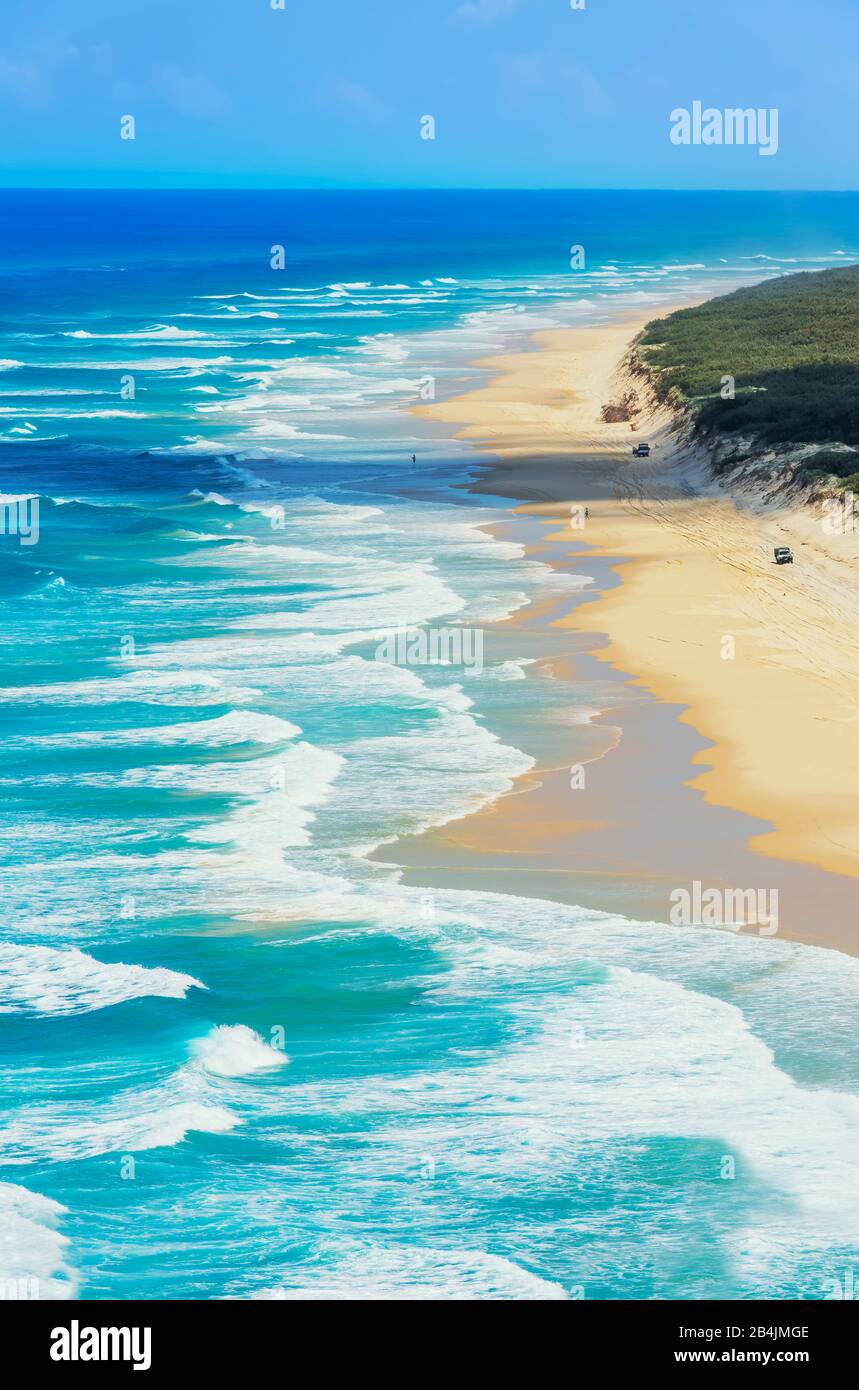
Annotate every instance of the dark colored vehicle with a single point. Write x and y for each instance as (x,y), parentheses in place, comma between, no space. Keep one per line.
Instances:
(641,451)
(783,555)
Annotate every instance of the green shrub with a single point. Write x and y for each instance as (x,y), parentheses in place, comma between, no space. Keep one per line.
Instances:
(791,346)
(826,461)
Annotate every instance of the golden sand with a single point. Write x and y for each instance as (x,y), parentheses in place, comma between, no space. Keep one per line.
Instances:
(765,659)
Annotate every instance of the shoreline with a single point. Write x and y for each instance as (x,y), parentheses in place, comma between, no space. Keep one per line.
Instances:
(538,416)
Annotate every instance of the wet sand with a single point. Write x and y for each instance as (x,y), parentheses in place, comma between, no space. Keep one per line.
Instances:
(670,792)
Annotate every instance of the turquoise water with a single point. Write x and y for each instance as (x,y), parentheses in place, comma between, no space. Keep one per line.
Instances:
(238,1057)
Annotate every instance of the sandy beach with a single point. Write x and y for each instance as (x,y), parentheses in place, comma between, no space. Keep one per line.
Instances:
(758,660)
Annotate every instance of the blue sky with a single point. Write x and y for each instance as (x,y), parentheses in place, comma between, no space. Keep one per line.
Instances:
(524,93)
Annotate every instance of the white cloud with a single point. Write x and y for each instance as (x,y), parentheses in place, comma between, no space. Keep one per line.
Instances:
(30,80)
(357,101)
(526,79)
(484,11)
(193,93)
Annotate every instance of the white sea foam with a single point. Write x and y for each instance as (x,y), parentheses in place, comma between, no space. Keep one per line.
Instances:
(226,730)
(250,553)
(140,1120)
(153,687)
(353,1269)
(163,332)
(32,1250)
(194,366)
(644,1051)
(280,429)
(277,814)
(209,537)
(50,391)
(411,782)
(390,594)
(272,510)
(301,369)
(236,1051)
(81,414)
(194,444)
(195,1097)
(508,670)
(45,980)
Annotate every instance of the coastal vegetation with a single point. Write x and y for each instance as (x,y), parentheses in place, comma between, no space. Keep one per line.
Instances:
(777,363)
(624,408)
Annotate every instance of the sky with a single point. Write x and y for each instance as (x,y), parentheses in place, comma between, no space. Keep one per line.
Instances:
(335,93)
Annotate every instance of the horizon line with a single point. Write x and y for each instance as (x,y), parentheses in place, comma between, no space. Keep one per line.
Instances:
(400,188)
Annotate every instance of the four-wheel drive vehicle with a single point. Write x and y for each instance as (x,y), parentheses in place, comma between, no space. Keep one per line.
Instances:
(641,451)
(783,555)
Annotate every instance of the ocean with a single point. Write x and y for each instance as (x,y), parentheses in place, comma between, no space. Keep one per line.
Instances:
(238,1057)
